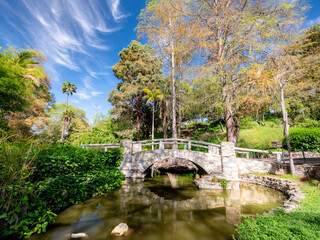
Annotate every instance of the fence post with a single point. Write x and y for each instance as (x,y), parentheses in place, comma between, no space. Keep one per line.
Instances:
(278,158)
(189,145)
(161,145)
(304,157)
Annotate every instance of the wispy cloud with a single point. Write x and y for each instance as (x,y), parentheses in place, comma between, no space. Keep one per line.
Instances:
(116,12)
(64,30)
(313,21)
(94,93)
(88,90)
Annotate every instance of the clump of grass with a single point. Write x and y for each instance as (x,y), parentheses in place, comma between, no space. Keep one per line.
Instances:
(302,223)
(214,179)
(224,183)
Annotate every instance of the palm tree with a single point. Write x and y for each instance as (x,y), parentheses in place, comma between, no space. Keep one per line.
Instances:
(70,89)
(152,96)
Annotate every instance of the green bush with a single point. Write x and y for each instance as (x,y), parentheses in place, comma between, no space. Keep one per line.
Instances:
(62,175)
(308,123)
(308,138)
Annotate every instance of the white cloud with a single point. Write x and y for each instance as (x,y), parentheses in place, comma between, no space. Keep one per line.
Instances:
(94,93)
(313,21)
(87,82)
(83,95)
(88,90)
(63,30)
(114,6)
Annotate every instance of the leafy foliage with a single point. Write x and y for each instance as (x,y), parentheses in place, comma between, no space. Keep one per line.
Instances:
(308,138)
(138,68)
(103,131)
(48,179)
(24,90)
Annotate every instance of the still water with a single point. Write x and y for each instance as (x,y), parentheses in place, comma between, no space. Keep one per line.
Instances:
(165,208)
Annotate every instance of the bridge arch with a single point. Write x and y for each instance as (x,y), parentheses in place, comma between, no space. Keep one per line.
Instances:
(145,159)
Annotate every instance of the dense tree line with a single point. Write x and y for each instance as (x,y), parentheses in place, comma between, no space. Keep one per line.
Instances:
(222,60)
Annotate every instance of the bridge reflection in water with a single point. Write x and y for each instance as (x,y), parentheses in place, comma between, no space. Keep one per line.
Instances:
(155,210)
(234,201)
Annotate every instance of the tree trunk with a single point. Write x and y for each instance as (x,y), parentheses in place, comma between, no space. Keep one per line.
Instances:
(230,126)
(153,121)
(67,101)
(173,89)
(63,126)
(138,117)
(237,132)
(221,126)
(164,118)
(286,130)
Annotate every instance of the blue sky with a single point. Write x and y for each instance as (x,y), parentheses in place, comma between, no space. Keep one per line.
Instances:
(81,40)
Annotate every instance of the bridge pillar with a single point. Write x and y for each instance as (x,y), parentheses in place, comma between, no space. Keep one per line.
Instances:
(229,161)
(126,164)
(136,147)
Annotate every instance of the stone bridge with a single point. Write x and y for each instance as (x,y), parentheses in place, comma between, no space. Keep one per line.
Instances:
(223,160)
(219,160)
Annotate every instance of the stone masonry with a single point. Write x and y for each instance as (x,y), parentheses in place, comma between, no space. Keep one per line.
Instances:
(136,162)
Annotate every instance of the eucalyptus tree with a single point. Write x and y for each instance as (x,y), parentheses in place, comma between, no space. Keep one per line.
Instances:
(233,35)
(163,22)
(70,89)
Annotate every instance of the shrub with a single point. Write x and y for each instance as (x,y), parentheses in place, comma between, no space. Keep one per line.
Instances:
(308,138)
(62,175)
(224,183)
(308,123)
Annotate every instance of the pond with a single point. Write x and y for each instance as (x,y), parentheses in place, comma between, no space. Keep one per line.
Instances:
(167,208)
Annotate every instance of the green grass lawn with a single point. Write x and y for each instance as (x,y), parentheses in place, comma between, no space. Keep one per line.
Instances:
(260,137)
(302,223)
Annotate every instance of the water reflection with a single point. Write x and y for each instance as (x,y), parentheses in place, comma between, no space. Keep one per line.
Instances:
(154,209)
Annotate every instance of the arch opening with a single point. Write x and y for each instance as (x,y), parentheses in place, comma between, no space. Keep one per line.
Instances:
(175,166)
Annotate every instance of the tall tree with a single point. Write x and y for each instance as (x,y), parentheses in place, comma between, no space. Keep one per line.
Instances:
(139,67)
(153,96)
(164,24)
(70,89)
(56,114)
(234,34)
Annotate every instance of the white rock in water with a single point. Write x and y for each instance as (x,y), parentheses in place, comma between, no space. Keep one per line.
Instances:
(121,229)
(83,236)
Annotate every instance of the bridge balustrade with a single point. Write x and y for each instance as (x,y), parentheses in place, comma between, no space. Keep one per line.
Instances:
(185,144)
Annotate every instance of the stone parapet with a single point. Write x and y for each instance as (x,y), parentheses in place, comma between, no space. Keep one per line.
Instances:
(291,189)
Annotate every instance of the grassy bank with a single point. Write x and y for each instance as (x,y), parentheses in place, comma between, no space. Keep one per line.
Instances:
(39,181)
(302,223)
(254,136)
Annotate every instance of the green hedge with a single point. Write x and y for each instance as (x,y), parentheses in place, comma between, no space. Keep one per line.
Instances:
(62,175)
(308,138)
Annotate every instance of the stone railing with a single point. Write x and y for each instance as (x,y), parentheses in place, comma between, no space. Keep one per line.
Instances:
(172,143)
(104,146)
(256,153)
